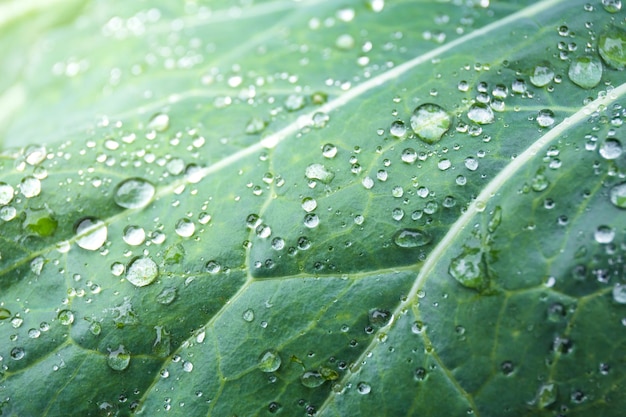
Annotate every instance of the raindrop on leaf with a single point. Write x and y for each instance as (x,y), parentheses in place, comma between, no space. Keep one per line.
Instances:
(91,233)
(585,71)
(142,271)
(269,361)
(430,122)
(134,193)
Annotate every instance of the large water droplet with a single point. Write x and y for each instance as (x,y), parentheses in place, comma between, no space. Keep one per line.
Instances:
(35,154)
(612,47)
(610,149)
(118,359)
(142,271)
(248,315)
(134,193)
(269,361)
(542,75)
(467,269)
(66,317)
(545,118)
(91,233)
(398,129)
(411,238)
(312,379)
(17,353)
(30,187)
(309,204)
(612,6)
(481,113)
(134,235)
(319,172)
(585,71)
(6,193)
(604,234)
(430,122)
(185,227)
(618,195)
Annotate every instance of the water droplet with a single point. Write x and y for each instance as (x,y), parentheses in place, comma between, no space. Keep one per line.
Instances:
(471,163)
(311,220)
(17,353)
(166,296)
(610,149)
(604,234)
(397,129)
(363,388)
(545,118)
(411,238)
(409,156)
(345,41)
(619,293)
(255,125)
(444,164)
(187,366)
(507,367)
(311,379)
(519,87)
(213,267)
(159,122)
(329,151)
(585,71)
(142,271)
(4,313)
(319,172)
(546,395)
(185,227)
(118,359)
(481,113)
(378,317)
(294,102)
(420,374)
(30,187)
(95,328)
(269,361)
(539,182)
(309,204)
(66,317)
(612,6)
(91,233)
(542,75)
(134,235)
(278,243)
(248,315)
(134,193)
(430,122)
(320,120)
(6,193)
(618,195)
(263,231)
(467,269)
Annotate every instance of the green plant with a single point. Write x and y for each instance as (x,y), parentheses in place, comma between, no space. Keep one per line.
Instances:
(319,207)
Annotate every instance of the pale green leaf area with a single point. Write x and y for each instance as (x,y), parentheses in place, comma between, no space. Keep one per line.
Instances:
(312,208)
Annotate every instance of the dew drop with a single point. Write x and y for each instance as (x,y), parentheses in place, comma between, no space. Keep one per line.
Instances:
(159,122)
(397,129)
(30,187)
(66,317)
(142,271)
(17,353)
(409,155)
(610,149)
(329,151)
(542,75)
(6,193)
(118,359)
(612,6)
(185,227)
(319,172)
(311,379)
(411,238)
(619,293)
(309,204)
(269,361)
(248,315)
(604,234)
(430,122)
(585,71)
(311,220)
(618,195)
(91,233)
(444,164)
(612,47)
(294,102)
(187,366)
(133,193)
(166,296)
(481,113)
(363,388)
(212,267)
(545,118)
(471,163)
(134,235)
(466,269)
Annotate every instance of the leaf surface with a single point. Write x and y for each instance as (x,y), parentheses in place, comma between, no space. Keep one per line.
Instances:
(314,208)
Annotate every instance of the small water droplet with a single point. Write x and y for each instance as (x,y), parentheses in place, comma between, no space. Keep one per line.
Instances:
(166,296)
(604,234)
(329,151)
(269,361)
(311,220)
(481,113)
(411,238)
(618,195)
(248,315)
(30,187)
(363,388)
(507,367)
(142,271)
(134,235)
(611,148)
(134,193)
(619,293)
(6,193)
(311,379)
(294,102)
(319,172)
(66,317)
(585,71)
(187,366)
(444,164)
(398,129)
(471,163)
(430,122)
(159,122)
(213,267)
(545,118)
(17,353)
(118,359)
(185,227)
(91,233)
(309,204)
(255,125)
(542,75)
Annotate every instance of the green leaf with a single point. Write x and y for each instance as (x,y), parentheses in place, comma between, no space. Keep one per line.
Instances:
(314,207)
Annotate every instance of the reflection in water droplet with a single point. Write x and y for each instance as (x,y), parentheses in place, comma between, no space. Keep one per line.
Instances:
(311,220)
(466,269)
(134,193)
(604,234)
(91,233)
(585,71)
(610,149)
(329,151)
(612,47)
(481,113)
(430,122)
(618,195)
(545,118)
(411,238)
(118,359)
(269,361)
(142,271)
